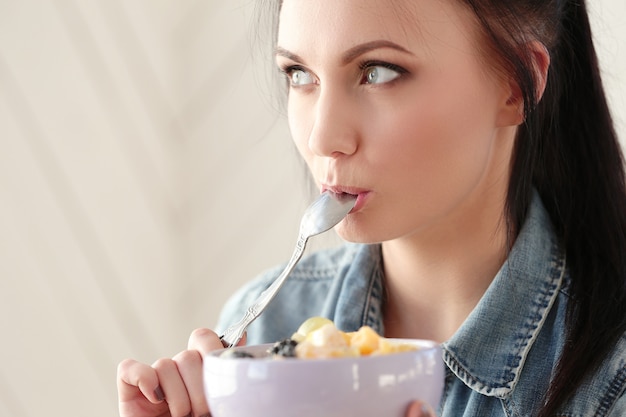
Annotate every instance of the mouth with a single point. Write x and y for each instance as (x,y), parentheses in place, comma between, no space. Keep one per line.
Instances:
(339,190)
(345,191)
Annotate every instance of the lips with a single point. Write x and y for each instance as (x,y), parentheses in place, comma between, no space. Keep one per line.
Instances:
(360,193)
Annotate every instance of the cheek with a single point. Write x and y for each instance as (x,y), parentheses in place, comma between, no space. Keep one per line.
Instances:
(425,137)
(441,145)
(443,122)
(299,128)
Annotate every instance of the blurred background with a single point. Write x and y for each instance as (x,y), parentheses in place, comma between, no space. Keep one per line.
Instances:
(146,172)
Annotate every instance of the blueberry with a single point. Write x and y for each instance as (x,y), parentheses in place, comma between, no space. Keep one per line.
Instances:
(285,348)
(236,353)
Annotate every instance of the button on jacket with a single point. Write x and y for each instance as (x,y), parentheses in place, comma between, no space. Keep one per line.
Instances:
(500,360)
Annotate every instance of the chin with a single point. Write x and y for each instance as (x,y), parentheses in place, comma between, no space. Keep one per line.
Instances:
(353,233)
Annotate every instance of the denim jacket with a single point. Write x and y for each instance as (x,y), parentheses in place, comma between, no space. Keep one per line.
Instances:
(500,360)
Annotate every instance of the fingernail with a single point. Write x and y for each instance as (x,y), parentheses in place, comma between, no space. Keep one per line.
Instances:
(158,392)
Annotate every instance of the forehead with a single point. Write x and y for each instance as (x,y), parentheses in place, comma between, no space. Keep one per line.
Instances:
(339,24)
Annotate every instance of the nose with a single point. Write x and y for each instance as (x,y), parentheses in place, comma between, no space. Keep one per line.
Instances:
(335,129)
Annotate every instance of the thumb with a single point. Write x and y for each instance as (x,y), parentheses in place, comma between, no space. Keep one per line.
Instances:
(204,341)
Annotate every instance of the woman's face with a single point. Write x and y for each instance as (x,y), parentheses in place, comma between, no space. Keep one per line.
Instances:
(393,101)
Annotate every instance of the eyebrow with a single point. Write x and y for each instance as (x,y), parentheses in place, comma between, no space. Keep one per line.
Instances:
(352,53)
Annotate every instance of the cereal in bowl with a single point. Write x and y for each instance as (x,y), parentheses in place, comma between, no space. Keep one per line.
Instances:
(319,338)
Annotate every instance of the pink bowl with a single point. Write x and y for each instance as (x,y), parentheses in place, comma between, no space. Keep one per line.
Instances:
(365,386)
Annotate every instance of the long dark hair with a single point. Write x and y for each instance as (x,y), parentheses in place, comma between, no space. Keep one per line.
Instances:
(568,150)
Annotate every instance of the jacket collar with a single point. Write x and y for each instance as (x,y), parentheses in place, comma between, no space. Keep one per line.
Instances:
(489,350)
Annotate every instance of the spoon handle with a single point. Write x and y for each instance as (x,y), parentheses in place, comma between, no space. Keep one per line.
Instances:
(234,333)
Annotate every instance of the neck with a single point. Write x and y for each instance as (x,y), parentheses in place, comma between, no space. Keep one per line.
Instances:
(436,277)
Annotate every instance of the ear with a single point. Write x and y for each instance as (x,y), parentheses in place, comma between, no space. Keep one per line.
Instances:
(541,64)
(512,113)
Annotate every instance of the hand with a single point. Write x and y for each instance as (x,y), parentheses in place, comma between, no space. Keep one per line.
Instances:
(420,409)
(170,387)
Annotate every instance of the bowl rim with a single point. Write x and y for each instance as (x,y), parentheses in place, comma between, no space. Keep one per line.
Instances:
(424,345)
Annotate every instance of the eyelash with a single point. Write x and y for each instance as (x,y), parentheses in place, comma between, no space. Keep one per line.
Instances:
(369,64)
(288,69)
(365,66)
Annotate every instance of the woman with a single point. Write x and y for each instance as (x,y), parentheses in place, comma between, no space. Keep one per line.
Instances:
(491,210)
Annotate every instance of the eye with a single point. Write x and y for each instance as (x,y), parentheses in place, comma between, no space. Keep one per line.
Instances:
(380,72)
(298,76)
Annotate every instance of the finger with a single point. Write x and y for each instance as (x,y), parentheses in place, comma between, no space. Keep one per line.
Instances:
(173,387)
(419,409)
(201,342)
(204,341)
(133,378)
(189,365)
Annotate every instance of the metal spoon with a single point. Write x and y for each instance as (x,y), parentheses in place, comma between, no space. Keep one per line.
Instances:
(325,212)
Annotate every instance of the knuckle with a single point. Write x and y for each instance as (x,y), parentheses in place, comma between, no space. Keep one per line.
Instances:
(124,366)
(163,363)
(186,356)
(202,333)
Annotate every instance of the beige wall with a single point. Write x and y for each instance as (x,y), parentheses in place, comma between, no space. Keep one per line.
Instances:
(144,175)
